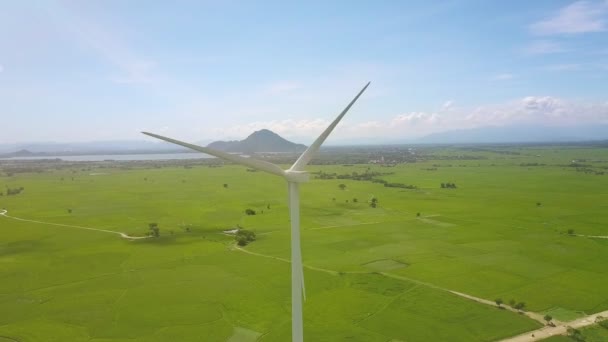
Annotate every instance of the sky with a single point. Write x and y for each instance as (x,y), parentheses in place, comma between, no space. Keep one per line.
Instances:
(204,70)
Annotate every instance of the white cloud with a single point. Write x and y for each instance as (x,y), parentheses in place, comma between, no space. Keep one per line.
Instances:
(504,77)
(542,110)
(563,67)
(281,87)
(135,72)
(541,47)
(288,128)
(539,110)
(578,17)
(414,119)
(107,41)
(447,105)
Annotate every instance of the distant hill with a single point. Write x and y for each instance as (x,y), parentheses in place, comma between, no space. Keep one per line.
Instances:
(259,141)
(518,134)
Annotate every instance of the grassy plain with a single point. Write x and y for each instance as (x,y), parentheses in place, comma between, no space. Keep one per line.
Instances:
(488,238)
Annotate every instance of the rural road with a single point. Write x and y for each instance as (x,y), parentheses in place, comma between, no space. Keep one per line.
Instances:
(559,329)
(535,335)
(4,213)
(592,236)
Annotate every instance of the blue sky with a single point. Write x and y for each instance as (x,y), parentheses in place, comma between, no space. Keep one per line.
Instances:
(199,70)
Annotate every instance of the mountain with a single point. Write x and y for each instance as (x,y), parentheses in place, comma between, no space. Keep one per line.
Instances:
(259,141)
(93,147)
(518,134)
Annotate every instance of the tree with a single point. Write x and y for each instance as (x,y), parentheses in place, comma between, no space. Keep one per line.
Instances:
(373,202)
(225,186)
(570,231)
(417,214)
(355,200)
(249,211)
(243,237)
(520,306)
(575,334)
(548,318)
(538,204)
(154,229)
(443,185)
(512,303)
(69,211)
(342,186)
(498,302)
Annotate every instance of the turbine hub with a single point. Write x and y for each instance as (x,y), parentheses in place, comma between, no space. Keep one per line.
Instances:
(297,176)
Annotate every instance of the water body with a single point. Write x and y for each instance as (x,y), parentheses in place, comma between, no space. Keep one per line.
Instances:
(119,157)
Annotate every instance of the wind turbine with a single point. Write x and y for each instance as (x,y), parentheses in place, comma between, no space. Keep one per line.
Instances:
(294,176)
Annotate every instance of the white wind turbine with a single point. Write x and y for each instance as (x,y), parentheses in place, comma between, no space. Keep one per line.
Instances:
(294,176)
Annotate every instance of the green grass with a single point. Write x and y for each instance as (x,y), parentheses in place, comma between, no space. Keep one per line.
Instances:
(563,314)
(487,238)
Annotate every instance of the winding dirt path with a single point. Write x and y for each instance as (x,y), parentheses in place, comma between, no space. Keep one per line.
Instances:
(560,328)
(592,236)
(4,213)
(530,336)
(533,315)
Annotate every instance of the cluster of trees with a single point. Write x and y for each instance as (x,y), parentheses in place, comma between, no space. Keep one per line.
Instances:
(532,164)
(243,237)
(400,185)
(14,191)
(448,185)
(154,230)
(520,306)
(373,202)
(589,171)
(365,176)
(575,334)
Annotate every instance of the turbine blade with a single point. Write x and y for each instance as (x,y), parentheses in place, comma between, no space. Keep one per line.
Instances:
(312,149)
(303,286)
(251,162)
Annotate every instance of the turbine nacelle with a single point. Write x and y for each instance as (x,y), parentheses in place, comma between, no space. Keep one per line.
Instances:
(297,176)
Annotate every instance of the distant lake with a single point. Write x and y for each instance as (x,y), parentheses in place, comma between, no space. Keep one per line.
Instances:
(118,157)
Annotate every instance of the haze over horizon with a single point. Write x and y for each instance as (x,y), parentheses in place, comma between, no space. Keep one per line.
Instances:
(88,71)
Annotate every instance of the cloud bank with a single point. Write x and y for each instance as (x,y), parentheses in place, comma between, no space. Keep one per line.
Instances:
(532,110)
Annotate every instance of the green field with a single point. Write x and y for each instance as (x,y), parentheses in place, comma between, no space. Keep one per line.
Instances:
(373,274)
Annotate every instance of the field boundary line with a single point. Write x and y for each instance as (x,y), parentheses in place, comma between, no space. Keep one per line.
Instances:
(121,234)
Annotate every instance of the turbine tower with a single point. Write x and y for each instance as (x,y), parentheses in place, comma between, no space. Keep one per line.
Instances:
(294,176)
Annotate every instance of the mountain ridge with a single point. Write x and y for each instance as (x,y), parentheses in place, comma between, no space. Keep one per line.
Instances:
(263,140)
